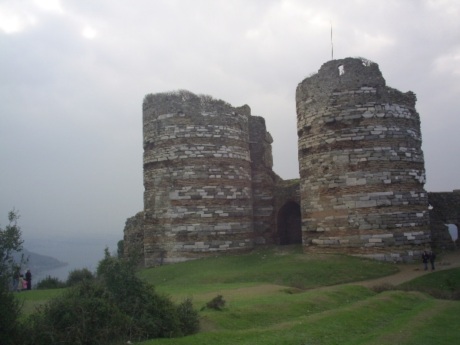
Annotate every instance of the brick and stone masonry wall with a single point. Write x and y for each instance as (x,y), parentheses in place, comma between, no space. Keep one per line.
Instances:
(133,236)
(445,209)
(197,177)
(263,181)
(361,164)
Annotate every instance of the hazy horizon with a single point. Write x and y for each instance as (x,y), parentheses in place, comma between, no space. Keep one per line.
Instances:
(74,75)
(78,253)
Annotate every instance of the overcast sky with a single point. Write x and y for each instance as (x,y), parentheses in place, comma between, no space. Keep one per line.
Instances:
(73,75)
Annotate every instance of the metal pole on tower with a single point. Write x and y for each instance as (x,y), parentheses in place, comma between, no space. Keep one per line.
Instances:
(332,45)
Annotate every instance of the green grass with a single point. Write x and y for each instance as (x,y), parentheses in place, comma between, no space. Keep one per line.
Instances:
(447,280)
(286,266)
(31,299)
(440,284)
(392,317)
(285,297)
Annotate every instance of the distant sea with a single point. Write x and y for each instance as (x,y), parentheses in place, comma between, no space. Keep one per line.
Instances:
(77,253)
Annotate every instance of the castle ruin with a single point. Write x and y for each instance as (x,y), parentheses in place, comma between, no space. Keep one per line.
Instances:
(210,187)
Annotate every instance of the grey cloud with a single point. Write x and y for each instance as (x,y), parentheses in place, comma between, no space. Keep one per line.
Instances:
(70,108)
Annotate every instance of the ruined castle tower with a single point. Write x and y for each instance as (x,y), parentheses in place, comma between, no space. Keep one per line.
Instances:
(361,164)
(198,195)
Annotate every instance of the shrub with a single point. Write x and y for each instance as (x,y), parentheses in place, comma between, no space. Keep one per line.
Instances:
(83,315)
(188,317)
(50,283)
(10,310)
(155,315)
(217,303)
(79,275)
(114,308)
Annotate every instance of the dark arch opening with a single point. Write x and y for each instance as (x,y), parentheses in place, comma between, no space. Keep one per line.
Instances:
(289,224)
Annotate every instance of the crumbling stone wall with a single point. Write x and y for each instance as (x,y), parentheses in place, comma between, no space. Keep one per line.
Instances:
(444,209)
(210,187)
(263,180)
(197,177)
(133,236)
(361,164)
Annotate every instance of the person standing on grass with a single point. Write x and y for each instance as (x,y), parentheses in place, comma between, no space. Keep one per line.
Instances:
(16,275)
(29,280)
(425,258)
(20,283)
(432,259)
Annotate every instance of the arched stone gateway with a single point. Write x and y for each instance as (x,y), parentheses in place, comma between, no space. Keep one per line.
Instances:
(289,224)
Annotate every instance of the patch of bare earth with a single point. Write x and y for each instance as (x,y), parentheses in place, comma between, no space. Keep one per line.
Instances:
(411,271)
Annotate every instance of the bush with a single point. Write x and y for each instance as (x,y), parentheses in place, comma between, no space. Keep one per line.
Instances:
(50,283)
(83,315)
(79,275)
(114,308)
(188,317)
(217,303)
(10,309)
(155,315)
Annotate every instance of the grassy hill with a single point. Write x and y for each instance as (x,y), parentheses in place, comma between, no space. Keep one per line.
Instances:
(283,296)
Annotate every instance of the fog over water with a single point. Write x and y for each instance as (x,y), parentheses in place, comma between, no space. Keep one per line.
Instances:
(77,253)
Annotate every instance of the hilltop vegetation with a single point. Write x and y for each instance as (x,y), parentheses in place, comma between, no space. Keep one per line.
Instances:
(283,296)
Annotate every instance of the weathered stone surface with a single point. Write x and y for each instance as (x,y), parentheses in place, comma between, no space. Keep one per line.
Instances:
(197,177)
(210,187)
(263,181)
(133,236)
(445,209)
(361,164)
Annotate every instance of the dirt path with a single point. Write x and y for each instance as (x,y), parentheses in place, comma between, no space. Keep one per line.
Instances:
(410,271)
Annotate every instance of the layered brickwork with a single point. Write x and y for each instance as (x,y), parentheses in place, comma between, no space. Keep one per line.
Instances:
(361,164)
(197,177)
(263,180)
(444,209)
(133,236)
(210,187)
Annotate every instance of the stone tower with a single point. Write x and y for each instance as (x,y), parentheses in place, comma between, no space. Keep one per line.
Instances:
(197,177)
(361,164)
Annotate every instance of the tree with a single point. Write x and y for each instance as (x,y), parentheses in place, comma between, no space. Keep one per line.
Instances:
(78,275)
(10,243)
(120,249)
